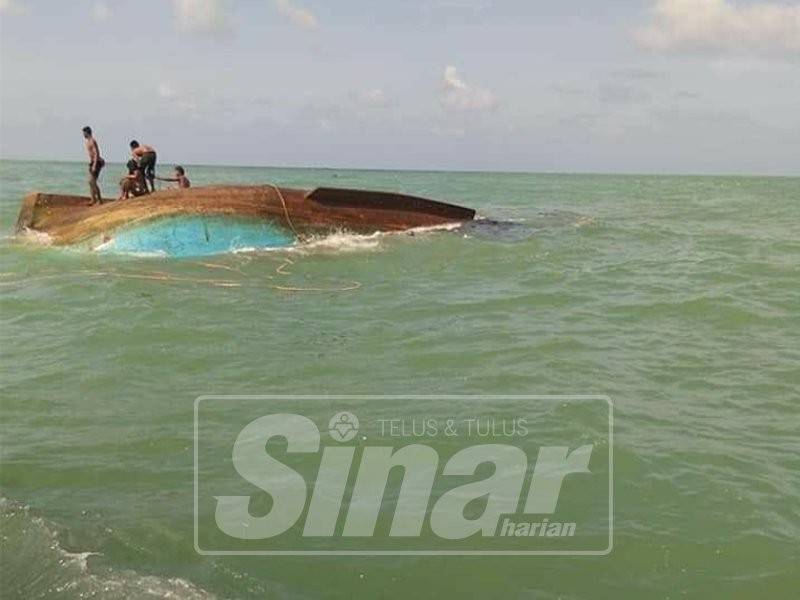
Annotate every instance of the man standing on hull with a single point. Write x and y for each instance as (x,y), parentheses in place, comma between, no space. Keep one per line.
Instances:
(146,157)
(96,164)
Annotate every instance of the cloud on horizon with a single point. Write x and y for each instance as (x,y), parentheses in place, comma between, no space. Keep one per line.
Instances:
(718,26)
(204,16)
(458,95)
(12,7)
(297,15)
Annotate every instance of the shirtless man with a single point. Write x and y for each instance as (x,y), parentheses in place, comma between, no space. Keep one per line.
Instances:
(96,164)
(132,184)
(180,178)
(146,157)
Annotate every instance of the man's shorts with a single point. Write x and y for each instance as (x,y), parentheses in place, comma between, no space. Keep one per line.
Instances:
(96,172)
(147,163)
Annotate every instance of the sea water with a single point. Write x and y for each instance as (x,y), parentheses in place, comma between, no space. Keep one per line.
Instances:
(678,297)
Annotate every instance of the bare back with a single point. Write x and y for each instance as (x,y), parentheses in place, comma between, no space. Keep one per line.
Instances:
(142,150)
(93,149)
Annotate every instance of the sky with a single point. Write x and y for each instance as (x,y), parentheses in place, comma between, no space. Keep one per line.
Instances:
(630,86)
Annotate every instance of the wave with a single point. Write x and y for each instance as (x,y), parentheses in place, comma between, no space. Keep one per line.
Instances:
(36,237)
(339,242)
(343,241)
(33,564)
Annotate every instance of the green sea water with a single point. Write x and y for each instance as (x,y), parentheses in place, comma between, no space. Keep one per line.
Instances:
(678,297)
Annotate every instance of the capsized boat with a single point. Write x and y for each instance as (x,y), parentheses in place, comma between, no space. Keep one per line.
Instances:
(71,219)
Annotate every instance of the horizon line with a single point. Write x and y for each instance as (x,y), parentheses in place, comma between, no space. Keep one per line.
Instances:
(412,170)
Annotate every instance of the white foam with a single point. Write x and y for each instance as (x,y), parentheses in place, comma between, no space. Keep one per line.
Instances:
(36,237)
(429,228)
(109,246)
(346,242)
(47,569)
(258,249)
(79,558)
(340,241)
(106,245)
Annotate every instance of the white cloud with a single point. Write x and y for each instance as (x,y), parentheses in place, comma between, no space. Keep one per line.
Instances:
(204,16)
(720,26)
(458,95)
(100,11)
(12,7)
(302,17)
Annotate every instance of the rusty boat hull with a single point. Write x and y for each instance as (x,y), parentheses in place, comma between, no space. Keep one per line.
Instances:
(69,219)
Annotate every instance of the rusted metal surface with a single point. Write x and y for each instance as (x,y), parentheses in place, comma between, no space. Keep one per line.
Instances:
(71,219)
(363,199)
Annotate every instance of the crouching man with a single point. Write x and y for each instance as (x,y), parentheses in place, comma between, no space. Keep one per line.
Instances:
(132,184)
(146,157)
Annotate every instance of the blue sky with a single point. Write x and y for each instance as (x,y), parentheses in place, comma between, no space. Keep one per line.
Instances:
(657,86)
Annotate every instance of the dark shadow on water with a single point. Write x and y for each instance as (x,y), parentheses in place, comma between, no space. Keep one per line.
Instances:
(511,232)
(508,232)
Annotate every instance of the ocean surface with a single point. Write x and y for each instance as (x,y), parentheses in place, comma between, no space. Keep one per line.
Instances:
(678,297)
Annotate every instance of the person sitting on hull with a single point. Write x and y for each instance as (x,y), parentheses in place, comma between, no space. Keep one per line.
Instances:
(180,178)
(146,157)
(132,184)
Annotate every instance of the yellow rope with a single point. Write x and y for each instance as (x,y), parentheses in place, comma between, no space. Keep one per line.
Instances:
(280,270)
(32,279)
(162,276)
(156,276)
(209,265)
(166,277)
(353,286)
(285,208)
